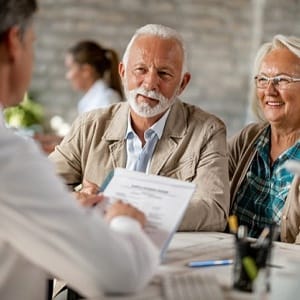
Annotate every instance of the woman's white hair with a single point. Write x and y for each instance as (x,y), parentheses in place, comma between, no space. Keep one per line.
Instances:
(279,41)
(161,31)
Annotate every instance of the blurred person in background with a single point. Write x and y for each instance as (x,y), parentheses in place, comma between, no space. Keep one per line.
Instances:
(93,70)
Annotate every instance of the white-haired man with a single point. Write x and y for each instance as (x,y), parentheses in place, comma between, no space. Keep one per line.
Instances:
(154,131)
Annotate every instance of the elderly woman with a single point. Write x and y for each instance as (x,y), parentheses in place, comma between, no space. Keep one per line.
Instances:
(263,192)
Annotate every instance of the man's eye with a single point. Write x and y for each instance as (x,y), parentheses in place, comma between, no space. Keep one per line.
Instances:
(139,70)
(164,74)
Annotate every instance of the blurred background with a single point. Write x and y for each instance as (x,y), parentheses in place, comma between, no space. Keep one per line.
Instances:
(221,37)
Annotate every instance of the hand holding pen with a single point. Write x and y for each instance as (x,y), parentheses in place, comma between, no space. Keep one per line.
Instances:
(88,195)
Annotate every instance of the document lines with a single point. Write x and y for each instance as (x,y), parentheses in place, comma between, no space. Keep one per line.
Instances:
(163,200)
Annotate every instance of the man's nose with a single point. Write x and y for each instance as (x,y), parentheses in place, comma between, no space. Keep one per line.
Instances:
(151,81)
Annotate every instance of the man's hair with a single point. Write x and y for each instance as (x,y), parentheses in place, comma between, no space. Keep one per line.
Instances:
(16,13)
(292,43)
(161,31)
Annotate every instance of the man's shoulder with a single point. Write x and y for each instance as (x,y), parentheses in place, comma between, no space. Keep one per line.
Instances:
(103,115)
(107,112)
(96,123)
(190,120)
(16,147)
(9,138)
(195,114)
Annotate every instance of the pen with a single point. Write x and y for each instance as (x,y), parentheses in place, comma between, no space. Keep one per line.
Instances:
(106,181)
(209,263)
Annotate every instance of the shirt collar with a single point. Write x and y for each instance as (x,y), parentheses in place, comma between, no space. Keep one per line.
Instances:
(157,127)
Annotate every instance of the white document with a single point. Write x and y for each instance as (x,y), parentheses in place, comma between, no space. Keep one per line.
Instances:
(163,200)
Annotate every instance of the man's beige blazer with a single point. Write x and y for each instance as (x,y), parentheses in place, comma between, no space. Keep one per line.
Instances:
(192,148)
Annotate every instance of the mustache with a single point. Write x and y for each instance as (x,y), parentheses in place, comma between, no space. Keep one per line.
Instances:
(150,94)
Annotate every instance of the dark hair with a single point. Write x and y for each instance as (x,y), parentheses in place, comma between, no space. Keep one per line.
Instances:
(101,59)
(16,13)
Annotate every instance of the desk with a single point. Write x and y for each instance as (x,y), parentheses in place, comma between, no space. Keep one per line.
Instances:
(203,246)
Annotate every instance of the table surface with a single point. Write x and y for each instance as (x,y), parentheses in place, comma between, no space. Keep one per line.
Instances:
(186,247)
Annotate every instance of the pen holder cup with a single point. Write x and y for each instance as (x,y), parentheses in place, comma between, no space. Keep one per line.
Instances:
(251,260)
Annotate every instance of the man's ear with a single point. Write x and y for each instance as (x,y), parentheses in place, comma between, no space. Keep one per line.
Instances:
(184,82)
(121,70)
(13,43)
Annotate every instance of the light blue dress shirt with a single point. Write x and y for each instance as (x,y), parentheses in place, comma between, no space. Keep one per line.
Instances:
(134,145)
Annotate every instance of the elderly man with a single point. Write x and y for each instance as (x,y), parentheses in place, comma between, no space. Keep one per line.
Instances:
(153,131)
(43,230)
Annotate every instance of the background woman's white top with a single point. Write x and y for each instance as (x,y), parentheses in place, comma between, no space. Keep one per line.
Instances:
(100,95)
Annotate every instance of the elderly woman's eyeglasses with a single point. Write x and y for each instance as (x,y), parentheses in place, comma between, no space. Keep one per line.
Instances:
(281,81)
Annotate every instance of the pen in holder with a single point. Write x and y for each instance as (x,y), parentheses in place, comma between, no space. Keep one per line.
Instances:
(252,257)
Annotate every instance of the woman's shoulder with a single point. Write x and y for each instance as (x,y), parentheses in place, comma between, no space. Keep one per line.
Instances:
(251,130)
(246,136)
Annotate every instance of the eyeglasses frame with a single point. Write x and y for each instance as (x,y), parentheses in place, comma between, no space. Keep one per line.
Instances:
(273,80)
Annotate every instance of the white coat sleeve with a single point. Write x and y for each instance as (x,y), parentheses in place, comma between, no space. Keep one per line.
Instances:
(40,219)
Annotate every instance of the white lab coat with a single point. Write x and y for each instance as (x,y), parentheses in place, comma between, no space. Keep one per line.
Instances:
(45,232)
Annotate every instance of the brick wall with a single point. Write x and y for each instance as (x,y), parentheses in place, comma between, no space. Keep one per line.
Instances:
(221,37)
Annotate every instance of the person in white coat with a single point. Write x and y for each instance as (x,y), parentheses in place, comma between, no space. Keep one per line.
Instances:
(44,231)
(93,70)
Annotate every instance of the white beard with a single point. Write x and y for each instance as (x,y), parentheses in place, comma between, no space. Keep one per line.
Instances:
(143,109)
